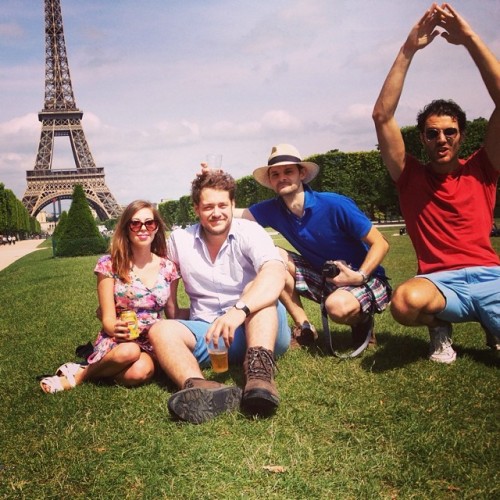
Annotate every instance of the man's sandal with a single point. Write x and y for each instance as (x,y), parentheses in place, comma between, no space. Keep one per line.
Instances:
(51,385)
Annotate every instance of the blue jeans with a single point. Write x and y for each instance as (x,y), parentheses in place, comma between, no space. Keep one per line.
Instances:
(472,294)
(238,348)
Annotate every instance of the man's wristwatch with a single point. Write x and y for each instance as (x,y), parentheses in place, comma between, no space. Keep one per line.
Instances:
(364,276)
(241,306)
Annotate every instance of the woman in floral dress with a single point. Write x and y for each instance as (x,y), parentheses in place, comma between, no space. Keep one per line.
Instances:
(137,276)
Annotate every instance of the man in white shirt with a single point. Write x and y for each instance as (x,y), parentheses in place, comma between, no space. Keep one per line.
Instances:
(233,275)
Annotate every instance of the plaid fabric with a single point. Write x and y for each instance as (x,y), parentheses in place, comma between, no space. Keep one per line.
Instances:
(309,283)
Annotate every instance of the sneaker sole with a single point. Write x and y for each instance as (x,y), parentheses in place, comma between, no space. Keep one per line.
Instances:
(259,402)
(448,360)
(197,405)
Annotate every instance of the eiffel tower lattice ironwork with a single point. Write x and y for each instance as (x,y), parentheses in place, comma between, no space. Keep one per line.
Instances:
(61,117)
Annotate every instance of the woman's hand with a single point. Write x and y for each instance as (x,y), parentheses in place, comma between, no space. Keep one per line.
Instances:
(116,328)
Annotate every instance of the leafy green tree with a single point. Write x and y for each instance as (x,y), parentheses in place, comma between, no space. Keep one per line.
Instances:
(360,176)
(474,137)
(14,217)
(186,211)
(169,211)
(3,208)
(110,224)
(81,235)
(246,191)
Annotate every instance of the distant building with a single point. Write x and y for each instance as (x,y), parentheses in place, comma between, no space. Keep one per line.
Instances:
(46,227)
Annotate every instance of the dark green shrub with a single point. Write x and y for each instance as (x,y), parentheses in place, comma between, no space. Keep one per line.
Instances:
(80,235)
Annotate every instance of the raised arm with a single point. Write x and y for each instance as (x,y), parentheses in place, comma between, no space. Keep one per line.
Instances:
(458,32)
(389,136)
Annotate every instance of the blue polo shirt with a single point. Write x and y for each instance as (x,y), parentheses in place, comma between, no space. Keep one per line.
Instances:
(330,229)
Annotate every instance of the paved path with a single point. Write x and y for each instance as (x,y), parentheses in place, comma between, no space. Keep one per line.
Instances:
(10,253)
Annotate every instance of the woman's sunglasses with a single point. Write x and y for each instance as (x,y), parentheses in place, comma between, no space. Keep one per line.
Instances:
(433,133)
(136,225)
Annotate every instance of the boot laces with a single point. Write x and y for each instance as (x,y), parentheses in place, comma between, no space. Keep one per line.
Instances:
(261,364)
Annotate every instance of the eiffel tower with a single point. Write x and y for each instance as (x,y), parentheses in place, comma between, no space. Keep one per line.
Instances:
(61,117)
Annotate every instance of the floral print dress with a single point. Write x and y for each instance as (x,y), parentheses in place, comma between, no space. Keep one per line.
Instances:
(135,296)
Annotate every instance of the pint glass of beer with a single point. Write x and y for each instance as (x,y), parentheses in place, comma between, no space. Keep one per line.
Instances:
(218,356)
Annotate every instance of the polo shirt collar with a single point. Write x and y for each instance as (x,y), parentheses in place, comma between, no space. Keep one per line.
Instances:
(309,199)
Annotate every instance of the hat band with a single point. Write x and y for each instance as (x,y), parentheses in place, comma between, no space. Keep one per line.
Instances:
(282,158)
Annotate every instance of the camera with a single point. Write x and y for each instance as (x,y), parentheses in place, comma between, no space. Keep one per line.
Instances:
(330,269)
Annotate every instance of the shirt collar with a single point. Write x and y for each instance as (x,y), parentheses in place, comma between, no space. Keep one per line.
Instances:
(309,199)
(199,237)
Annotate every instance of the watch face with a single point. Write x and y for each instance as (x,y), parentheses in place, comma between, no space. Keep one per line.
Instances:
(241,306)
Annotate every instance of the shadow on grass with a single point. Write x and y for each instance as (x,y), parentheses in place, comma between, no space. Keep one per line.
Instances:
(397,351)
(485,356)
(393,352)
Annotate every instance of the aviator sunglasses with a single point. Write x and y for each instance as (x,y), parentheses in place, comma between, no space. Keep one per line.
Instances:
(433,133)
(136,225)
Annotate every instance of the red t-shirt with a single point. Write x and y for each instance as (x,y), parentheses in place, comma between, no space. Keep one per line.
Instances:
(449,216)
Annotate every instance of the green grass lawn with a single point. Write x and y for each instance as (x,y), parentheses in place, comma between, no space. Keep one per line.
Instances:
(389,424)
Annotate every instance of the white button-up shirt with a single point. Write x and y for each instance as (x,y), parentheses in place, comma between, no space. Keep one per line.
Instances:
(214,287)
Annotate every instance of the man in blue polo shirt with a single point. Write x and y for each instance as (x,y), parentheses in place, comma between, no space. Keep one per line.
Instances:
(321,227)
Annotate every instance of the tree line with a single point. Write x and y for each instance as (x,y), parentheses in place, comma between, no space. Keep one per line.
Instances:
(15,219)
(361,176)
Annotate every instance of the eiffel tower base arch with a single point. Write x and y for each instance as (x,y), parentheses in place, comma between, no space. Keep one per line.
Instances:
(44,187)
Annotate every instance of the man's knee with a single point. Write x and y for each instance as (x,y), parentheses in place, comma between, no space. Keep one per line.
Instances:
(126,353)
(409,296)
(140,372)
(414,297)
(341,307)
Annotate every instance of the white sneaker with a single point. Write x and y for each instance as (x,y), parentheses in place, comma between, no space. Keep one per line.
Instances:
(440,348)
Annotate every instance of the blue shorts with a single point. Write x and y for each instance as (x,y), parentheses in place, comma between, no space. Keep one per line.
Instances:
(238,348)
(472,294)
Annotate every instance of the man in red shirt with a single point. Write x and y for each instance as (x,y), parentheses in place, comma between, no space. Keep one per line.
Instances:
(448,203)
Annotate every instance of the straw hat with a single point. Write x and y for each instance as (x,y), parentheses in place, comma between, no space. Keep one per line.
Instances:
(285,154)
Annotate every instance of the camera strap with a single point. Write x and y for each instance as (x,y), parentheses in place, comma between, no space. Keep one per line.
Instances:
(326,326)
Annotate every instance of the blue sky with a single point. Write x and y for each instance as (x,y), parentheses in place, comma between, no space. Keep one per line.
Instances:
(162,83)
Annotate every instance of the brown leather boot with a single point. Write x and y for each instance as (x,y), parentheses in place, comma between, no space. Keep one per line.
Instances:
(260,396)
(201,400)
